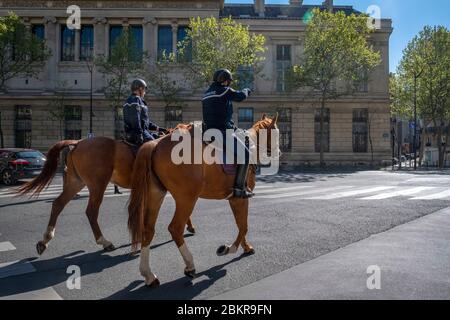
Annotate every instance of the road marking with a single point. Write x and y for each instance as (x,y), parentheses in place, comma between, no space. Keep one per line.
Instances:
(53,194)
(439,195)
(302,193)
(6,246)
(15,268)
(393,194)
(279,190)
(42,294)
(351,193)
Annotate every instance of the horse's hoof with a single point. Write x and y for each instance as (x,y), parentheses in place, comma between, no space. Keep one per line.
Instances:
(190,274)
(155,283)
(110,248)
(191,230)
(249,252)
(222,250)
(40,247)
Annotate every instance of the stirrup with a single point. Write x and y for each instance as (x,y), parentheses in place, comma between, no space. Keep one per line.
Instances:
(242,193)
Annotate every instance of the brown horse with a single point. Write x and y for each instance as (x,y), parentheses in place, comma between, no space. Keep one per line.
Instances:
(93,163)
(155,173)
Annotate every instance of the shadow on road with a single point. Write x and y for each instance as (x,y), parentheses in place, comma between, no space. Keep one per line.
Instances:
(52,272)
(180,289)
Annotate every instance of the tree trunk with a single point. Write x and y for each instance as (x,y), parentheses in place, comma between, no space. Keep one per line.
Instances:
(2,141)
(369,124)
(322,111)
(441,148)
(422,138)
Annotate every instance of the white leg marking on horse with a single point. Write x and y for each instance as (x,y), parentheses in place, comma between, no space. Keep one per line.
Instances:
(49,235)
(232,249)
(102,241)
(144,266)
(187,257)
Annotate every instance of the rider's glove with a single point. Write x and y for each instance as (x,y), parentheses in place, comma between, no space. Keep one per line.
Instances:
(247,91)
(163,130)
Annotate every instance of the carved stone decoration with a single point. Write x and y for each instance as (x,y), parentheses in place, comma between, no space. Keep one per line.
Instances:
(159,4)
(48,20)
(100,20)
(149,20)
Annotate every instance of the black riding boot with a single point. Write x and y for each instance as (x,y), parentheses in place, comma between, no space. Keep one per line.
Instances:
(240,182)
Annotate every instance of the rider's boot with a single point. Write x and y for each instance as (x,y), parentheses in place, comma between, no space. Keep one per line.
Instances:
(240,188)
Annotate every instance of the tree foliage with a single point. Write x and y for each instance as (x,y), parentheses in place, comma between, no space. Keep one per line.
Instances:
(337,58)
(425,71)
(212,44)
(21,52)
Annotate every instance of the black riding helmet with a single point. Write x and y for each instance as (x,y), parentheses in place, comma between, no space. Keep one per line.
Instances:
(138,84)
(222,75)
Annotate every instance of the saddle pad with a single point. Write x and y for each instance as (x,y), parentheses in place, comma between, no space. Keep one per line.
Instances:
(229,169)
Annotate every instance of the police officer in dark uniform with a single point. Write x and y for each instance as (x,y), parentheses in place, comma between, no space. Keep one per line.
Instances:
(136,118)
(218,114)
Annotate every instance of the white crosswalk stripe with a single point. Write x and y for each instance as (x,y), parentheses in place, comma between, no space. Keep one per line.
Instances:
(6,246)
(407,192)
(347,194)
(435,196)
(55,190)
(304,191)
(17,268)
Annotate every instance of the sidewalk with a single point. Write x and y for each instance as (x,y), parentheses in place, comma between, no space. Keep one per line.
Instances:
(414,260)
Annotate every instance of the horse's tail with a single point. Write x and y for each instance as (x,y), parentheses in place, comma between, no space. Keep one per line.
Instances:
(142,178)
(47,174)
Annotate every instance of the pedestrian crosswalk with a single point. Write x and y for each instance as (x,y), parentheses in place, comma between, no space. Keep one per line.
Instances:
(18,268)
(307,191)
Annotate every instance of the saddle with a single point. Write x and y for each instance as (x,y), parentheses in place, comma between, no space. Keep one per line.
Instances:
(133,147)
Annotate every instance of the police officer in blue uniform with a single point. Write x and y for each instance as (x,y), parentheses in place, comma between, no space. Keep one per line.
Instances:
(136,118)
(218,114)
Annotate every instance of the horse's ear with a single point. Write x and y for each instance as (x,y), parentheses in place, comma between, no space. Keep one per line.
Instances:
(275,120)
(264,116)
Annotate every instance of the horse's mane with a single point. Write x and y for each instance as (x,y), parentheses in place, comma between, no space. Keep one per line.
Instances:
(262,124)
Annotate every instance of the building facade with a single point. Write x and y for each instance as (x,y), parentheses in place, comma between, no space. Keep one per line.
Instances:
(354,126)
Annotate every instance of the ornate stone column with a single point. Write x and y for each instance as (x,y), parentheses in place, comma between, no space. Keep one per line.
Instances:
(174,37)
(50,71)
(150,37)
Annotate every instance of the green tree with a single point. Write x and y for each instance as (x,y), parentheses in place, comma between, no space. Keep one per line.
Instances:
(58,107)
(125,61)
(21,52)
(213,44)
(336,50)
(162,80)
(424,76)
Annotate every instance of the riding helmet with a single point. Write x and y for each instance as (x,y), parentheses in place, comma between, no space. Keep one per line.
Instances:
(138,84)
(222,75)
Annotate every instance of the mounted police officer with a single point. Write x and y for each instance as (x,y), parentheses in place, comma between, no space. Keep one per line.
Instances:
(218,114)
(136,118)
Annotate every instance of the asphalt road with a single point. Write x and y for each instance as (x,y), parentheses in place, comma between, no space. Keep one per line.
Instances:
(295,218)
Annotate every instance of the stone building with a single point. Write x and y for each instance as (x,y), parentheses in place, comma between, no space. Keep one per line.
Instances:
(159,24)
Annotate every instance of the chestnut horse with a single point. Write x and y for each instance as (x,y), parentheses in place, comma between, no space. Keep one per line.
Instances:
(155,173)
(93,163)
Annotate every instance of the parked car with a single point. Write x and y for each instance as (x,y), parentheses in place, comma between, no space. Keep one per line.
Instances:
(17,164)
